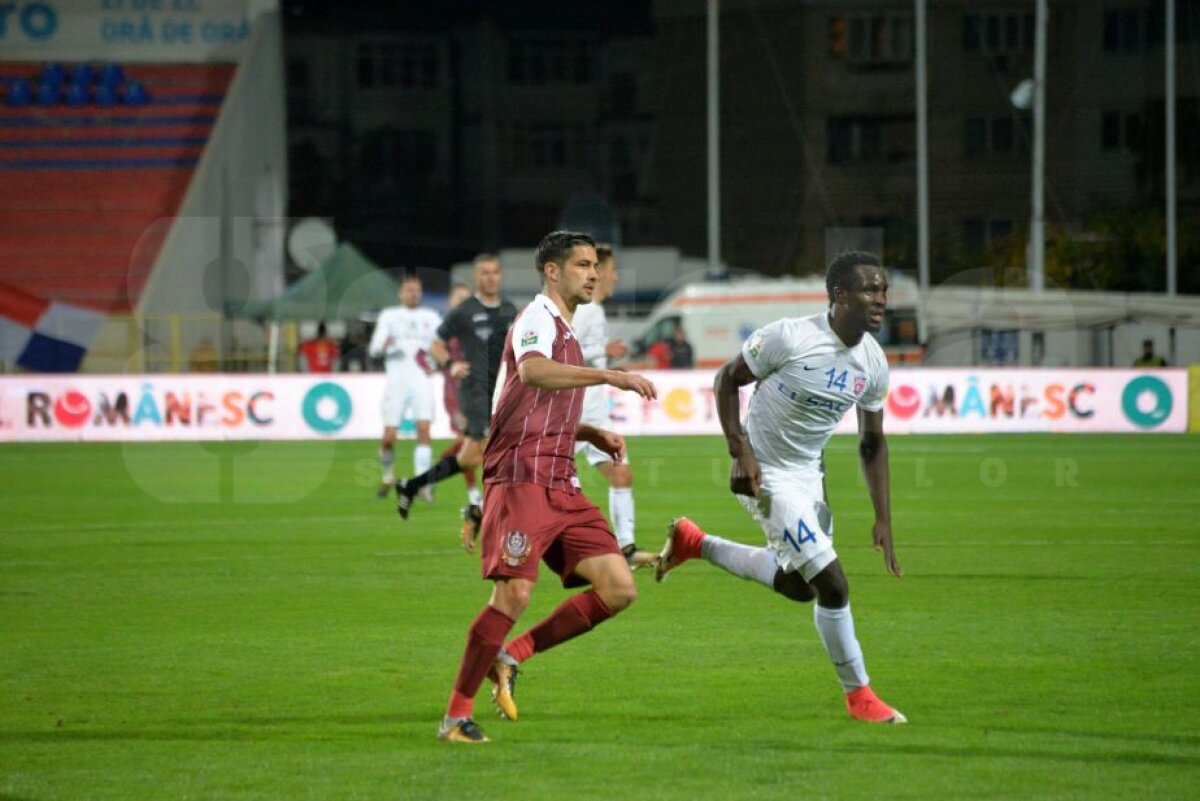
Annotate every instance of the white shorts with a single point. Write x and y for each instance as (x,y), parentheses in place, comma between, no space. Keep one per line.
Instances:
(798,523)
(595,456)
(414,396)
(597,419)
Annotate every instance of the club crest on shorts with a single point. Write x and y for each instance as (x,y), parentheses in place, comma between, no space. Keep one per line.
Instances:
(515,549)
(860,383)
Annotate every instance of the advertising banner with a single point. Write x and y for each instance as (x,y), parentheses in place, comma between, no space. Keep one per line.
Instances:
(124,30)
(36,408)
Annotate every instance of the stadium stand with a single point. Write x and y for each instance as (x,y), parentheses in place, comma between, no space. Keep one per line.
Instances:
(90,157)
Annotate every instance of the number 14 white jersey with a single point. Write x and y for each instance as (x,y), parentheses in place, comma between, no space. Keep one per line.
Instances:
(807,381)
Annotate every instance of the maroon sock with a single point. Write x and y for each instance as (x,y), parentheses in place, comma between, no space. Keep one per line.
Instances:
(484,639)
(469,477)
(573,617)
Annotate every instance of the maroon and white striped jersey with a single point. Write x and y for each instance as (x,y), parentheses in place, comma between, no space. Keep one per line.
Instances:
(533,430)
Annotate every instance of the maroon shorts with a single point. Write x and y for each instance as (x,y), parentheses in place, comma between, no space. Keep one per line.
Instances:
(525,523)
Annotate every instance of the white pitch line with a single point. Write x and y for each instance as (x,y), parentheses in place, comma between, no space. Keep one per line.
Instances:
(175,524)
(1043,544)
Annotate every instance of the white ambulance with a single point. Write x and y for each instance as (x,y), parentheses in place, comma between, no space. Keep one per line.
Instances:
(718,316)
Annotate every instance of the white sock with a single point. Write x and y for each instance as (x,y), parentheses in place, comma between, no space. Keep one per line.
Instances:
(620,509)
(743,561)
(422,459)
(836,627)
(386,458)
(474,496)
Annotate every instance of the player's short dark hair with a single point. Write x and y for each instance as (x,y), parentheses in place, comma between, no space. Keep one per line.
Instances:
(841,270)
(556,246)
(485,256)
(459,285)
(604,252)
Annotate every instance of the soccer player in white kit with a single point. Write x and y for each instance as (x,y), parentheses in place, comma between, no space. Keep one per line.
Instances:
(809,371)
(401,333)
(591,327)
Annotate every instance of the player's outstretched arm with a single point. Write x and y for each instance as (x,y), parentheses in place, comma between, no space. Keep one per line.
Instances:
(609,442)
(543,373)
(873,453)
(744,475)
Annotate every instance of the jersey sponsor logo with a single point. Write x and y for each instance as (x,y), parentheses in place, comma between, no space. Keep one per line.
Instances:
(483,333)
(812,401)
(830,404)
(529,338)
(515,549)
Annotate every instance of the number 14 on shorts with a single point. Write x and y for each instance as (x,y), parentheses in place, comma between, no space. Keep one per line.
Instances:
(803,534)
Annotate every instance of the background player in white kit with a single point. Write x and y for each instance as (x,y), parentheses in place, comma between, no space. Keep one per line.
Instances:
(810,372)
(401,333)
(591,326)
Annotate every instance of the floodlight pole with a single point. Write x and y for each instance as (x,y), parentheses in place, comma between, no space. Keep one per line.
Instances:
(922,152)
(1037,232)
(1172,254)
(714,140)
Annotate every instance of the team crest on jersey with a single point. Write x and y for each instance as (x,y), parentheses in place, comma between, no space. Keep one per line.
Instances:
(756,346)
(515,549)
(860,383)
(530,338)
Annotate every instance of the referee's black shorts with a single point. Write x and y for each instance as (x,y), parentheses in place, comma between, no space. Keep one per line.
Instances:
(476,407)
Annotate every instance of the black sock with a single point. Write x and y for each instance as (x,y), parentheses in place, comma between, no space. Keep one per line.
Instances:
(447,467)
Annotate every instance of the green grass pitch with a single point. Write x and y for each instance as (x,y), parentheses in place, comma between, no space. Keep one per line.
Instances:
(245,621)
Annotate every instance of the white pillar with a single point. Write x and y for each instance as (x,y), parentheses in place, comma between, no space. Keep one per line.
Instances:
(714,139)
(922,151)
(1172,254)
(1036,265)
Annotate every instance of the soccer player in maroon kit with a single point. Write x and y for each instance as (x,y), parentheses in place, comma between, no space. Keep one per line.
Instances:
(533,507)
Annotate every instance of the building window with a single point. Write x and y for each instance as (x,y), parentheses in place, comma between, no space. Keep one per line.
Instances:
(872,40)
(548,145)
(538,62)
(1110,130)
(868,140)
(1125,30)
(409,65)
(398,159)
(997,136)
(980,235)
(298,89)
(622,94)
(1135,131)
(853,140)
(1122,130)
(993,34)
(975,135)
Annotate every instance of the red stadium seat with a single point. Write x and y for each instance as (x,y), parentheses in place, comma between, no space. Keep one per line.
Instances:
(90,189)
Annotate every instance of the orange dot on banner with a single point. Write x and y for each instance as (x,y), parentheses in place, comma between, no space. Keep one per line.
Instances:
(679,404)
